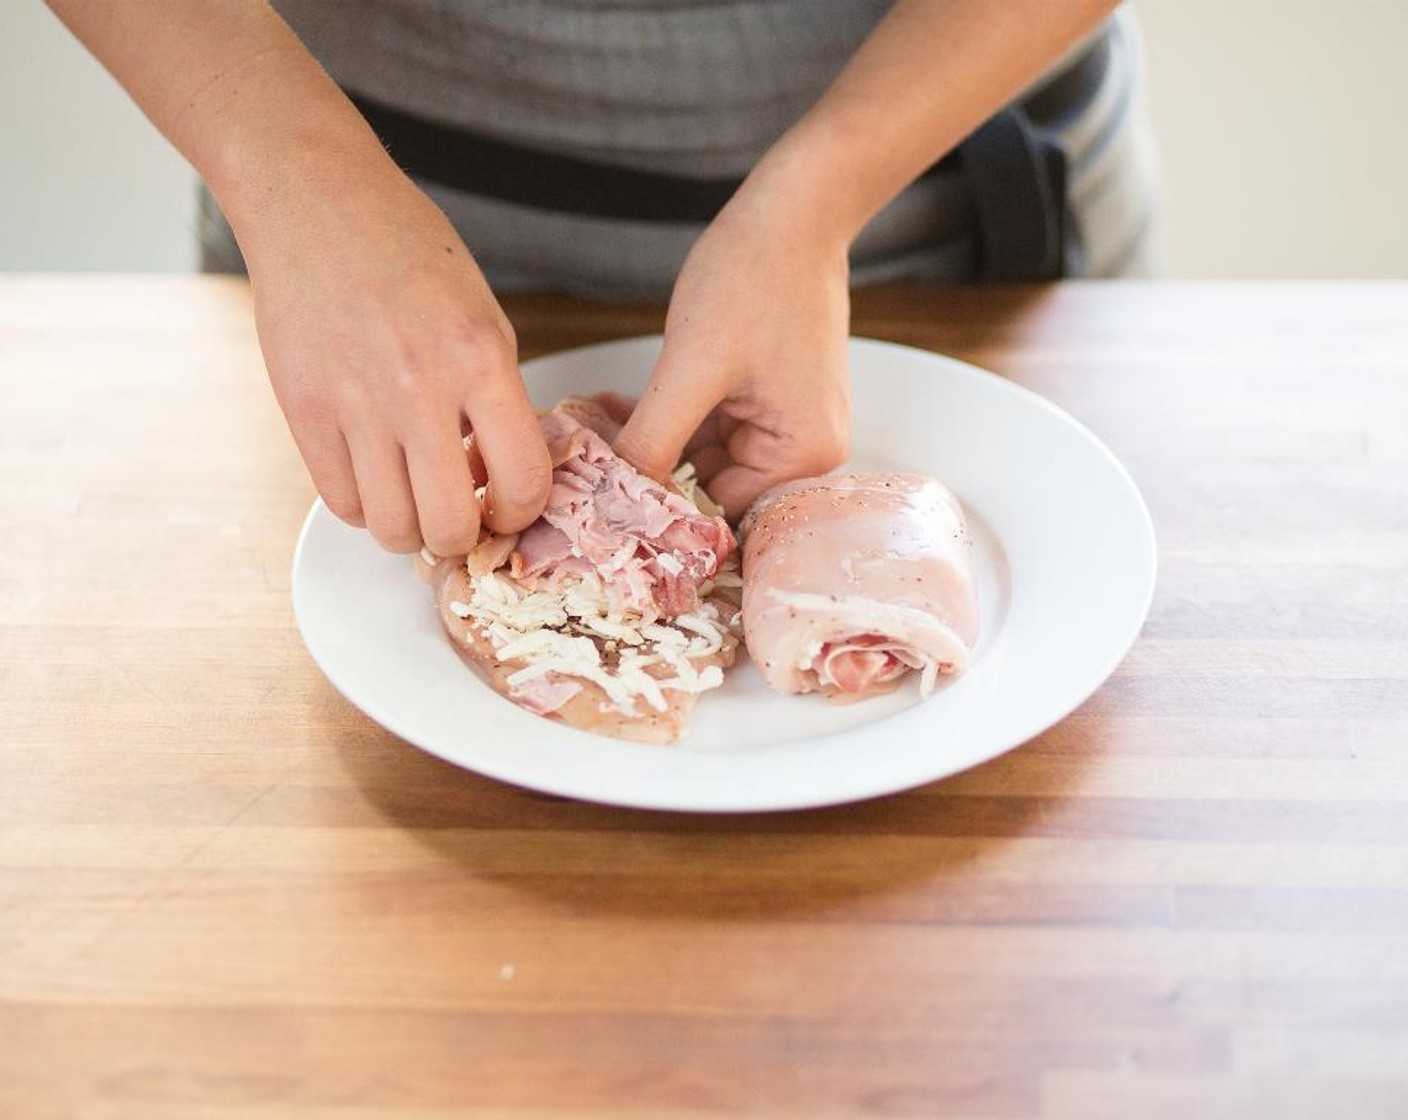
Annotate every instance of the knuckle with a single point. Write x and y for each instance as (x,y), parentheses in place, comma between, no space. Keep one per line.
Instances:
(404,543)
(451,533)
(306,405)
(395,534)
(407,379)
(486,350)
(825,453)
(507,335)
(838,449)
(412,402)
(528,483)
(345,507)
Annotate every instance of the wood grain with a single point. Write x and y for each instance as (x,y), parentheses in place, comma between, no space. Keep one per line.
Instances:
(226,894)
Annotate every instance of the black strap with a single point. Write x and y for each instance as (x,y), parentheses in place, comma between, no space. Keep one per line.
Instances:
(479,164)
(1016,176)
(1068,92)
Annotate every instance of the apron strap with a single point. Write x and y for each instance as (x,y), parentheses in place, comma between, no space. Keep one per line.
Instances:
(1016,176)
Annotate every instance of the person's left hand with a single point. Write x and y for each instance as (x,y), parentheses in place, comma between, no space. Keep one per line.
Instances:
(751,385)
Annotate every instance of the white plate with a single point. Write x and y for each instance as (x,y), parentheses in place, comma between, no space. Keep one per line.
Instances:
(1064,548)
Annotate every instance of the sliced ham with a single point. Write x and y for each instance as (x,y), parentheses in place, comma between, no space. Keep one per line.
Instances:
(538,549)
(653,543)
(851,582)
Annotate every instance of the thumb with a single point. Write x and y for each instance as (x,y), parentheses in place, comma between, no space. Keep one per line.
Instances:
(673,405)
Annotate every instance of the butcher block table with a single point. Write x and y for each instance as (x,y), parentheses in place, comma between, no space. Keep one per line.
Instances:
(225,894)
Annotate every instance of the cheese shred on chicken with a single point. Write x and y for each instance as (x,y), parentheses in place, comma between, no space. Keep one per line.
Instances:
(563,631)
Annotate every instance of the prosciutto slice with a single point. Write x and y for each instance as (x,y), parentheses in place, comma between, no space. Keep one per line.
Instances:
(851,582)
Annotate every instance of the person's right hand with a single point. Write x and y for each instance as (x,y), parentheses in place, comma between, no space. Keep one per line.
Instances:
(381,338)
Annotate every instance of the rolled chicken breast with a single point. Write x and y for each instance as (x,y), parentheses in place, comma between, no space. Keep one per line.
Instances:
(851,582)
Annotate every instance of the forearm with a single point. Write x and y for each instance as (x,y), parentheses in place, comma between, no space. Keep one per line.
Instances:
(230,86)
(927,76)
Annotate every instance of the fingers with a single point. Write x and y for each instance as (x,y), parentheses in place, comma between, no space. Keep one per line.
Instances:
(675,403)
(414,473)
(757,459)
(708,461)
(736,487)
(507,436)
(443,487)
(715,428)
(385,487)
(330,467)
(315,429)
(790,454)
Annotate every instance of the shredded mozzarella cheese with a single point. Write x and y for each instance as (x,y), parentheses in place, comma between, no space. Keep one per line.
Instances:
(558,630)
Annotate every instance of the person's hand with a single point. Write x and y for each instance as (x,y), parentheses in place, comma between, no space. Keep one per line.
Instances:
(751,384)
(382,339)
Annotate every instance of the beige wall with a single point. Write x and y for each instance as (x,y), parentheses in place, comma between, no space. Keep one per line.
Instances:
(1284,127)
(1282,122)
(85,182)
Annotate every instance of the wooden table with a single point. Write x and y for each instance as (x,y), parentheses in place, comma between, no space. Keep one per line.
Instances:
(225,894)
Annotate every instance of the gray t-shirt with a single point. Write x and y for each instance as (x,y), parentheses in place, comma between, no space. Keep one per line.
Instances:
(688,87)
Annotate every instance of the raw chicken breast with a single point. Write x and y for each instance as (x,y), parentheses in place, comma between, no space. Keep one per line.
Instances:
(547,653)
(852,581)
(614,610)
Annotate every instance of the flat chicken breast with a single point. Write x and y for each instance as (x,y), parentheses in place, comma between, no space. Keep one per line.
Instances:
(850,582)
(615,610)
(573,700)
